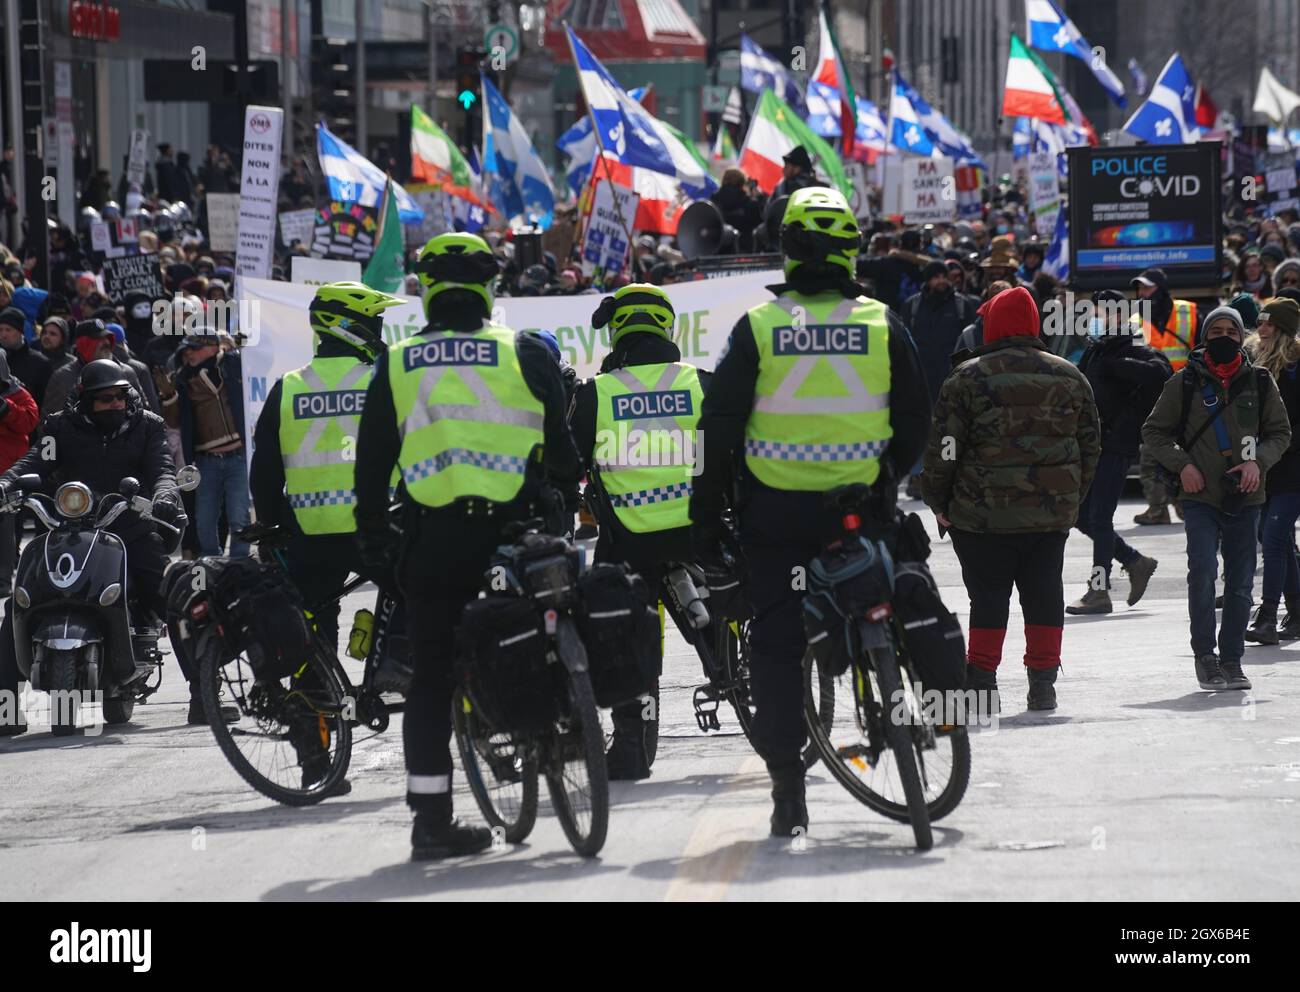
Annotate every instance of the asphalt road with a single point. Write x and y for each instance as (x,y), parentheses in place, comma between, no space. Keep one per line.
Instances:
(1140,786)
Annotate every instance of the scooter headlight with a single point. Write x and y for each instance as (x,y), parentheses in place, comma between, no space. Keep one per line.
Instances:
(73,499)
(22,598)
(109,596)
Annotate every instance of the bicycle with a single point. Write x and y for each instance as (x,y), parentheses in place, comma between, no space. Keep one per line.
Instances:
(302,724)
(502,765)
(880,742)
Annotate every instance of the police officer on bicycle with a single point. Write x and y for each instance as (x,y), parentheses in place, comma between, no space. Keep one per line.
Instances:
(304,446)
(817,387)
(634,424)
(474,416)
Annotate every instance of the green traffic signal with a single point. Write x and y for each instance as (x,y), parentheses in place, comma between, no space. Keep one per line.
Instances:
(466,98)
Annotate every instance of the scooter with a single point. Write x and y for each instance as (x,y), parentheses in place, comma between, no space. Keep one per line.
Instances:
(77,633)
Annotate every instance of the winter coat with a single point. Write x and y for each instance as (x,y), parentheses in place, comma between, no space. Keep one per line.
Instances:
(1126,378)
(1015,441)
(935,322)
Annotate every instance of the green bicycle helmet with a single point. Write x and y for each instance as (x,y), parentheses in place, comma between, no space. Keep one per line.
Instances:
(637,306)
(456,261)
(352,313)
(819,229)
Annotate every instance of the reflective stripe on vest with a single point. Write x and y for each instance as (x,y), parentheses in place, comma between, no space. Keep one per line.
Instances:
(320,412)
(646,443)
(1167,342)
(820,417)
(468,420)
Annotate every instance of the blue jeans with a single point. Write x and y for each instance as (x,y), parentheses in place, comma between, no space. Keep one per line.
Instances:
(1208,529)
(1097,513)
(223,481)
(1281,574)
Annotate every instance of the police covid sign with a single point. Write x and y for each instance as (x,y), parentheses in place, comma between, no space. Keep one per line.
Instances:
(1139,207)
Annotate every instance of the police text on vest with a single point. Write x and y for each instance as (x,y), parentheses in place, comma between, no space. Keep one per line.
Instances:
(640,406)
(343,403)
(450,351)
(820,339)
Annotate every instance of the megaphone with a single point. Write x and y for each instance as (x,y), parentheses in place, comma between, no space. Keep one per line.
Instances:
(702,231)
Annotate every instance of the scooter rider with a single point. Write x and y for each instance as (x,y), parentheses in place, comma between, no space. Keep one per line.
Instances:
(103,438)
(645,401)
(816,387)
(474,415)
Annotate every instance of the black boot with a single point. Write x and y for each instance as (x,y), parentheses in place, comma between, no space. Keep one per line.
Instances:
(1263,630)
(627,759)
(434,837)
(198,718)
(1042,688)
(1289,629)
(789,811)
(985,683)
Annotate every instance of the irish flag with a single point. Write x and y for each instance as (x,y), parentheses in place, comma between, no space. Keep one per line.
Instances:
(832,71)
(773,131)
(1029,93)
(437,162)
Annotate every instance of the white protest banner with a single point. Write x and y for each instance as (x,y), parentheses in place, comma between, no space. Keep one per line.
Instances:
(929,191)
(309,271)
(1044,192)
(259,186)
(138,158)
(891,185)
(297,225)
(99,237)
(605,244)
(706,312)
(223,221)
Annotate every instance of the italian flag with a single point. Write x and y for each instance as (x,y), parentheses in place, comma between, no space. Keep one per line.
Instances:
(724,149)
(1029,92)
(832,71)
(774,129)
(437,162)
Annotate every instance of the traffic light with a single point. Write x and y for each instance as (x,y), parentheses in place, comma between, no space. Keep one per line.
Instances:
(468,92)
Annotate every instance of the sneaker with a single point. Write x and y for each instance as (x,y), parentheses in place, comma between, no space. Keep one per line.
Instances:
(433,838)
(1233,676)
(1139,573)
(1094,602)
(1208,673)
(1042,688)
(1153,515)
(1263,628)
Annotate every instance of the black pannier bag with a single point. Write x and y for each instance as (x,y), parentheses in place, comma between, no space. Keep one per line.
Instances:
(620,631)
(932,636)
(858,574)
(260,614)
(831,636)
(501,663)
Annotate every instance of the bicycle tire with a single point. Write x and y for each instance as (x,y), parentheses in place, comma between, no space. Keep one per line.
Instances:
(476,769)
(591,750)
(890,679)
(940,806)
(332,682)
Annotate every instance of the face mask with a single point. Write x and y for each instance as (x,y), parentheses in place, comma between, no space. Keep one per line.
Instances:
(108,421)
(1222,350)
(1002,229)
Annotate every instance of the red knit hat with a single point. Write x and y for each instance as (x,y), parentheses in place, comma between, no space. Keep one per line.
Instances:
(1012,313)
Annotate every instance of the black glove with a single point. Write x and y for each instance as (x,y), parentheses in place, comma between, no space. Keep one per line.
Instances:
(378,545)
(166,508)
(706,539)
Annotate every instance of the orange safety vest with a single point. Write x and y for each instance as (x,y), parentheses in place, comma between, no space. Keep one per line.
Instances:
(1177,342)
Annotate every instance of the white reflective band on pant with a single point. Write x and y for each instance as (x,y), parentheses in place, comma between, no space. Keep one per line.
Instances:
(815,452)
(428,785)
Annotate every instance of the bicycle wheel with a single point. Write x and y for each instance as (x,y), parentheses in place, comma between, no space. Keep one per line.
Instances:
(575,768)
(733,649)
(292,742)
(889,677)
(857,753)
(500,770)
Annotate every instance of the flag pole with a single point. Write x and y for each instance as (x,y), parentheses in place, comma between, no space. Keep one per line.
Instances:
(600,153)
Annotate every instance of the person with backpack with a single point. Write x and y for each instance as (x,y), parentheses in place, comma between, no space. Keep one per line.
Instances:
(1274,346)
(1219,426)
(1126,378)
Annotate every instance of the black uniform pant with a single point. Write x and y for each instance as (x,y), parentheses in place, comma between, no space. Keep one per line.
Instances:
(146,560)
(318,566)
(442,568)
(780,533)
(629,717)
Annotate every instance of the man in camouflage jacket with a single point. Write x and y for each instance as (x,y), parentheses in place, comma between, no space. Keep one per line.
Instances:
(1015,443)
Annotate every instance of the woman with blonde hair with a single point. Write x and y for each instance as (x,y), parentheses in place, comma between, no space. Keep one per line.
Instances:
(1274,346)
